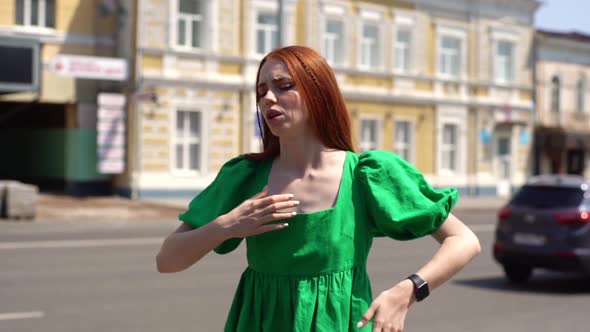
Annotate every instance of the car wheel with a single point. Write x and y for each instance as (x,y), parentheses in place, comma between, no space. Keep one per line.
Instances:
(518,273)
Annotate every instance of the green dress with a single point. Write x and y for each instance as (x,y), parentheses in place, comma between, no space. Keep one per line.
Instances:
(312,276)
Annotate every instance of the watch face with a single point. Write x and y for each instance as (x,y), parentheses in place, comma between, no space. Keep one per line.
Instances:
(422,292)
(421,287)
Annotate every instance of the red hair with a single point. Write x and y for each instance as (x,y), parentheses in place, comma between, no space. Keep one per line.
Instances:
(328,117)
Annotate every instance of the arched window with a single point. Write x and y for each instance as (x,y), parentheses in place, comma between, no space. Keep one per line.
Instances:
(555,94)
(580,93)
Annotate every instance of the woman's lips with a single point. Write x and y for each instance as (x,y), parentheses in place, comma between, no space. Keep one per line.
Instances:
(273,114)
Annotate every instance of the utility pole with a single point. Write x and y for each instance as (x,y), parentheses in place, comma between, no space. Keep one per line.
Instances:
(282,23)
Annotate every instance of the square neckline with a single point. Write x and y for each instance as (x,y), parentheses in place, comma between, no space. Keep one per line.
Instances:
(338,194)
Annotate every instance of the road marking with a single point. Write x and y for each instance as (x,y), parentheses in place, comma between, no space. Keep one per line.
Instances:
(483,228)
(80,243)
(21,315)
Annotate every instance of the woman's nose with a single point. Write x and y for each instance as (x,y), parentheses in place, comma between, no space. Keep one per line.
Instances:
(269,97)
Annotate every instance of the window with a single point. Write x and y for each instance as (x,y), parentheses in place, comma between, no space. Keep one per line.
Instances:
(450,56)
(267,32)
(190,24)
(256,134)
(402,144)
(555,94)
(581,87)
(370,45)
(369,135)
(548,197)
(402,49)
(334,41)
(504,62)
(36,13)
(449,147)
(187,142)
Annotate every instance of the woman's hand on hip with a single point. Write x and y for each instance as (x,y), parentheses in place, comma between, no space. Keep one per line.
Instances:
(253,216)
(388,311)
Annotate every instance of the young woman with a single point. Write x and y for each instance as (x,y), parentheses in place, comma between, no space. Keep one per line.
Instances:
(309,208)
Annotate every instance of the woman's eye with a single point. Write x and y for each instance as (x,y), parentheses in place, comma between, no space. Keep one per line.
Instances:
(286,86)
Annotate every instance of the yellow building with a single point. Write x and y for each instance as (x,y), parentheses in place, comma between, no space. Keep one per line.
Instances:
(445,84)
(58,56)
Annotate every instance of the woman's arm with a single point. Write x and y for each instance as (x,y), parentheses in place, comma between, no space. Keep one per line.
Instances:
(459,245)
(186,246)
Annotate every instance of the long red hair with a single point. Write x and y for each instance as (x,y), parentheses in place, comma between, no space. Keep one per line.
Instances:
(328,117)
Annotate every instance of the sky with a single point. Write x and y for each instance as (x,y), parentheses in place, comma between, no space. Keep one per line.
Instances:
(564,15)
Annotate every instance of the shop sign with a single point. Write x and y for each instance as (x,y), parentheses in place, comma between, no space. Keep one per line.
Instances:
(89,67)
(110,127)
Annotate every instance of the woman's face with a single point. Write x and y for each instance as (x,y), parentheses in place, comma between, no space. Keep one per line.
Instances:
(280,102)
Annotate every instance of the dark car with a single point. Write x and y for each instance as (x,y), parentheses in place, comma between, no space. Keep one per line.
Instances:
(545,225)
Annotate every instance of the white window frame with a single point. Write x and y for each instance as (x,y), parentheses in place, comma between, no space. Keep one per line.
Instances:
(269,7)
(502,35)
(552,94)
(204,143)
(379,134)
(268,31)
(209,29)
(453,115)
(41,14)
(581,95)
(375,18)
(408,24)
(331,53)
(334,11)
(501,76)
(409,146)
(445,148)
(255,141)
(442,32)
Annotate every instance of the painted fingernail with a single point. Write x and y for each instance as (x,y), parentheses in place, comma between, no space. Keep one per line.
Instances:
(359,325)
(296,202)
(290,195)
(293,213)
(285,225)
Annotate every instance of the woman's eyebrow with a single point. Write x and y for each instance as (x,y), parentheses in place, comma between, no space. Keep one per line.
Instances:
(281,78)
(276,80)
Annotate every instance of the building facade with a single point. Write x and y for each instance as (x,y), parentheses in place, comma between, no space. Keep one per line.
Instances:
(562,128)
(445,84)
(57,58)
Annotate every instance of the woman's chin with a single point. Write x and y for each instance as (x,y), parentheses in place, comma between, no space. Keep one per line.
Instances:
(279,131)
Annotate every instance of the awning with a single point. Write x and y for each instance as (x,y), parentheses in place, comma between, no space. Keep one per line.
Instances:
(577,141)
(557,139)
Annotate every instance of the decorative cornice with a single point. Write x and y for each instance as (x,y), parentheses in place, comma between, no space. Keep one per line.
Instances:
(195,54)
(47,35)
(147,81)
(566,40)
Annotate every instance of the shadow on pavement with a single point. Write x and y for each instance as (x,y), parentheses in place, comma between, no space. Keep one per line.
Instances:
(542,282)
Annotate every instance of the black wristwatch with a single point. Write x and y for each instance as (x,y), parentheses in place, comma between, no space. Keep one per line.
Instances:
(420,287)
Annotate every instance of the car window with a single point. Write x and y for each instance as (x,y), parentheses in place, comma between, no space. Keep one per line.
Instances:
(548,197)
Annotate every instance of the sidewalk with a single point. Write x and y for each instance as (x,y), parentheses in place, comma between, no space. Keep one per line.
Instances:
(103,208)
(466,203)
(485,203)
(114,208)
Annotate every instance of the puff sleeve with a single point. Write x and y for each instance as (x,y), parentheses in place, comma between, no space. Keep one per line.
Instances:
(233,184)
(399,201)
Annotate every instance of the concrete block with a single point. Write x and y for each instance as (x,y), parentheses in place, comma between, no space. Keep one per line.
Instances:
(2,198)
(20,200)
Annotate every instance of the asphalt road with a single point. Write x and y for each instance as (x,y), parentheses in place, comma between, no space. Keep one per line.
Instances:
(78,277)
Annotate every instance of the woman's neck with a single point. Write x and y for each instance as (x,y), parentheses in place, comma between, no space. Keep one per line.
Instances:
(303,153)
